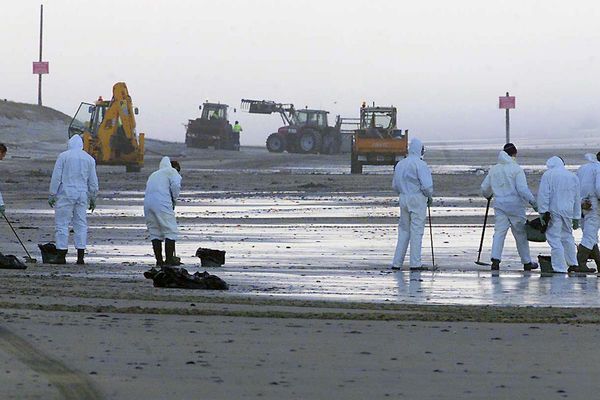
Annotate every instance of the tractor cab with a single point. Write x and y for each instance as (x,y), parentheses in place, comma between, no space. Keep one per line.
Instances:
(214,111)
(89,117)
(316,118)
(378,122)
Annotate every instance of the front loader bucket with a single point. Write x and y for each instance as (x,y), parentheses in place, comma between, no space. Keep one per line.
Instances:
(258,106)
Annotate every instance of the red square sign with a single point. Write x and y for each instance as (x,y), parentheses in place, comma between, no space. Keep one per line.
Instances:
(507,102)
(41,67)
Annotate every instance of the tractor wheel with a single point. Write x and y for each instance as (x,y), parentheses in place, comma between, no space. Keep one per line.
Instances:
(276,143)
(355,165)
(309,141)
(331,143)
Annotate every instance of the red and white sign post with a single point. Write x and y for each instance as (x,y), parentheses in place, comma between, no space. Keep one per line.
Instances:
(40,67)
(507,102)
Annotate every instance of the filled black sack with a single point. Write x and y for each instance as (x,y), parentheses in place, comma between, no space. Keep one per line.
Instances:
(11,262)
(49,253)
(210,258)
(535,231)
(169,277)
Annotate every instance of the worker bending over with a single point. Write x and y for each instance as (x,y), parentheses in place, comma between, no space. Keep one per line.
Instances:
(589,182)
(162,191)
(559,200)
(507,184)
(3,150)
(73,189)
(414,185)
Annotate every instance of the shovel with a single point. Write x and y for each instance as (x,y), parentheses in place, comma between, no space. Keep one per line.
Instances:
(487,209)
(28,258)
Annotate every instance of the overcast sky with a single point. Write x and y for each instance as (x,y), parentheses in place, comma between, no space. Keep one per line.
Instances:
(443,64)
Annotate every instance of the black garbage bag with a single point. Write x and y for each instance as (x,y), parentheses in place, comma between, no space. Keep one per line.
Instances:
(49,253)
(11,262)
(169,277)
(535,231)
(210,258)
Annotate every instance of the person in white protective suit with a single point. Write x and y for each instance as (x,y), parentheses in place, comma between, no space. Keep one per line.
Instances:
(589,182)
(507,184)
(162,191)
(559,199)
(73,189)
(414,185)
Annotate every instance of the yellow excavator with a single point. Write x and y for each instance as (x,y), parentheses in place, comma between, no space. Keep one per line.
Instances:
(108,130)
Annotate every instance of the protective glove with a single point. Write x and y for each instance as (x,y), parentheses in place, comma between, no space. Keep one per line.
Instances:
(52,200)
(575,224)
(534,206)
(173,202)
(429,201)
(2,209)
(542,220)
(92,204)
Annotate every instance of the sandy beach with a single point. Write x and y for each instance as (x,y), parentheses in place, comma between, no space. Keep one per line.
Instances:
(313,310)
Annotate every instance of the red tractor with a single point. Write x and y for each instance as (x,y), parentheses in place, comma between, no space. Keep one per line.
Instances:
(304,131)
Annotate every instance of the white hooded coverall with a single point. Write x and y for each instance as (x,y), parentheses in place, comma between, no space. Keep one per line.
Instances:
(507,183)
(162,190)
(74,183)
(589,181)
(559,194)
(413,183)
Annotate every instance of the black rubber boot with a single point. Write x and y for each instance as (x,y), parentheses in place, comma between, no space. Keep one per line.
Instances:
(595,255)
(530,266)
(583,254)
(80,256)
(170,258)
(157,247)
(60,257)
(495,265)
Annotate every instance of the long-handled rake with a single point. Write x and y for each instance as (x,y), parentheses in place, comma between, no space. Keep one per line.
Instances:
(28,258)
(487,209)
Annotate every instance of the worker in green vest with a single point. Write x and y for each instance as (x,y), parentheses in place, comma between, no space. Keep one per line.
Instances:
(237,128)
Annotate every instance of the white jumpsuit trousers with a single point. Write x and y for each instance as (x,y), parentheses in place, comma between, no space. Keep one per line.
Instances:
(413,211)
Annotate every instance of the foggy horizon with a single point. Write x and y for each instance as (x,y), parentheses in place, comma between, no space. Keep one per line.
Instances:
(442,66)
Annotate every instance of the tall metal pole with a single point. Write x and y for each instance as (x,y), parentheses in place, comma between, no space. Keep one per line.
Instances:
(40,75)
(507,124)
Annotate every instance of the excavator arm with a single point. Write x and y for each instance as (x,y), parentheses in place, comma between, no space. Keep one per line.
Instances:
(114,139)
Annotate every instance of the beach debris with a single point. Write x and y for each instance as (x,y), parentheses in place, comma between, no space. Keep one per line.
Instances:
(168,277)
(50,254)
(10,262)
(210,258)
(536,232)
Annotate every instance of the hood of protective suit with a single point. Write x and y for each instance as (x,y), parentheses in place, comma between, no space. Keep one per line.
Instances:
(554,162)
(591,157)
(165,163)
(504,158)
(75,143)
(415,147)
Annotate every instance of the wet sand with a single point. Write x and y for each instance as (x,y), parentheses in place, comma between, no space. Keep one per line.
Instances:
(313,308)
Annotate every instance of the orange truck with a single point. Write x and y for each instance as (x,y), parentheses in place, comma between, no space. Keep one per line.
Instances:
(377,141)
